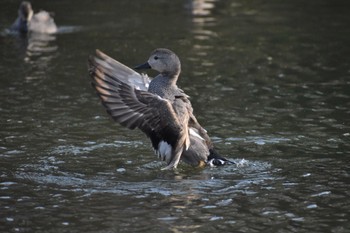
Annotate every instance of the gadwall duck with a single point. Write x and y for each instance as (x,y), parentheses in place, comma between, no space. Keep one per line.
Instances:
(157,107)
(27,21)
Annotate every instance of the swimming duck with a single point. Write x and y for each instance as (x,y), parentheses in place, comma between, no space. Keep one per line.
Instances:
(158,107)
(27,21)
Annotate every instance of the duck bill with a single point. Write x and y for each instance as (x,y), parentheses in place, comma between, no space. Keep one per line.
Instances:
(143,66)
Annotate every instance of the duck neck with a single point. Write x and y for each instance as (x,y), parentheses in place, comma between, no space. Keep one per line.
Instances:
(171,78)
(173,72)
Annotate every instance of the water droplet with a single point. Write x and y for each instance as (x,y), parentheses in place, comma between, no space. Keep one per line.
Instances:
(121,169)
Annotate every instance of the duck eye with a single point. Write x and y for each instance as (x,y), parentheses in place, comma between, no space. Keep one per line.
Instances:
(155,58)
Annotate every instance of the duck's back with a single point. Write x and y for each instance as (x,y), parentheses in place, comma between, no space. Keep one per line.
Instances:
(42,22)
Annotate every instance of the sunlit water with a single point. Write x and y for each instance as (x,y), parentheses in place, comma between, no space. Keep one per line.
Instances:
(269,81)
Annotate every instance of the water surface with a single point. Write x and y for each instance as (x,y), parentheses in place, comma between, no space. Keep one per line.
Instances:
(269,80)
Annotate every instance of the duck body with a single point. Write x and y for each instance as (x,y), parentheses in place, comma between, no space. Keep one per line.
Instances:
(42,22)
(27,21)
(158,107)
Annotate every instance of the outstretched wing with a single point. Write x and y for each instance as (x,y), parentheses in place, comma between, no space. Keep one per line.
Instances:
(126,104)
(113,68)
(134,107)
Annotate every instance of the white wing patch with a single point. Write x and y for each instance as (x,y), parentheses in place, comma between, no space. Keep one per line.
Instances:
(164,151)
(194,132)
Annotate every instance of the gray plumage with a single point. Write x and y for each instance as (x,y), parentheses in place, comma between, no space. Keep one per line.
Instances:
(27,21)
(157,107)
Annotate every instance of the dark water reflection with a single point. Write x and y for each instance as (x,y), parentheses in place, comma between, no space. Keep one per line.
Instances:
(269,81)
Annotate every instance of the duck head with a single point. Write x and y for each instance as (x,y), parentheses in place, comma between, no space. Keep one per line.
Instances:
(164,61)
(25,14)
(25,11)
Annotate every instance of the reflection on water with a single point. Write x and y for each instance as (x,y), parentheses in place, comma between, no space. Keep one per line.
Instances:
(38,51)
(38,44)
(201,8)
(203,26)
(202,18)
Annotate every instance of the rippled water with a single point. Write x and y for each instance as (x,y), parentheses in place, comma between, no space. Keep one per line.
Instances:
(269,81)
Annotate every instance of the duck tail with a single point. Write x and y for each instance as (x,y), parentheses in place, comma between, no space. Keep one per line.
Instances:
(215,159)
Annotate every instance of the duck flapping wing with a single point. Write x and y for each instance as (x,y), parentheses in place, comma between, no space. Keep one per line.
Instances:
(121,72)
(124,95)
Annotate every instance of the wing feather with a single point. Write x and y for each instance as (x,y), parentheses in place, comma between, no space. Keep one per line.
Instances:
(128,104)
(117,70)
(123,92)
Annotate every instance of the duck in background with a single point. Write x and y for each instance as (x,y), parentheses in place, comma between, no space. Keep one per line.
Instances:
(27,21)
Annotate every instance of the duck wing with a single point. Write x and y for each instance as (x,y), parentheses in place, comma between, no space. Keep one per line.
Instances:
(115,69)
(196,130)
(137,108)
